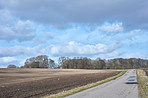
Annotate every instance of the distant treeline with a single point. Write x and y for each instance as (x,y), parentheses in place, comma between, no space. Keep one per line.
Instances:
(43,61)
(117,63)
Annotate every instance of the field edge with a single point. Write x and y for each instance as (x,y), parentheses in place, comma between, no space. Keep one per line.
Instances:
(82,88)
(142,79)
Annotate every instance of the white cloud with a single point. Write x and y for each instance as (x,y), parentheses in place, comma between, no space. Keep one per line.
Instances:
(132,35)
(20,51)
(113,28)
(78,49)
(136,55)
(5,16)
(114,54)
(76,11)
(7,60)
(20,30)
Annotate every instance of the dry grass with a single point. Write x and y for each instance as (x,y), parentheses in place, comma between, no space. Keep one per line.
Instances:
(76,90)
(142,83)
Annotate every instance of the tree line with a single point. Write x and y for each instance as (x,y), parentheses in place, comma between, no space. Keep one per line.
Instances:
(43,61)
(117,63)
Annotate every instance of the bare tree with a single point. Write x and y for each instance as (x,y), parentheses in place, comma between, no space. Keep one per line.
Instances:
(41,61)
(12,66)
(51,63)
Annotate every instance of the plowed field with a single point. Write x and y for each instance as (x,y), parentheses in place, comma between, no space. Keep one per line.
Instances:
(34,83)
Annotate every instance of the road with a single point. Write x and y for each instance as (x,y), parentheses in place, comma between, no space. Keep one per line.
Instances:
(122,87)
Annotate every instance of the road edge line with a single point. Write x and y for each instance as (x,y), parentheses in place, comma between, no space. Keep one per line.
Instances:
(82,88)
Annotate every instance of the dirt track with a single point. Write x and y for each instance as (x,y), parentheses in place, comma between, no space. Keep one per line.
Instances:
(21,83)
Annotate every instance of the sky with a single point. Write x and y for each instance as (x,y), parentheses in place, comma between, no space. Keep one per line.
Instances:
(72,28)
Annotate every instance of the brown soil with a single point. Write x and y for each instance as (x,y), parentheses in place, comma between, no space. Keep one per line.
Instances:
(34,83)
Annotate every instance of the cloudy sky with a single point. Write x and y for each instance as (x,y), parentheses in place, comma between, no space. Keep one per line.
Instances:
(91,28)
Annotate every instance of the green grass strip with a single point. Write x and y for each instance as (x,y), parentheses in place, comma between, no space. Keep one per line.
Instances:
(82,88)
(142,79)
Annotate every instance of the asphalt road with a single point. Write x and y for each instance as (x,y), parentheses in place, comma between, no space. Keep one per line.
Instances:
(122,87)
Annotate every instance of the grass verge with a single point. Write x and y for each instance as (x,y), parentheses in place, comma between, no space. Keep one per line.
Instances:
(82,88)
(142,79)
